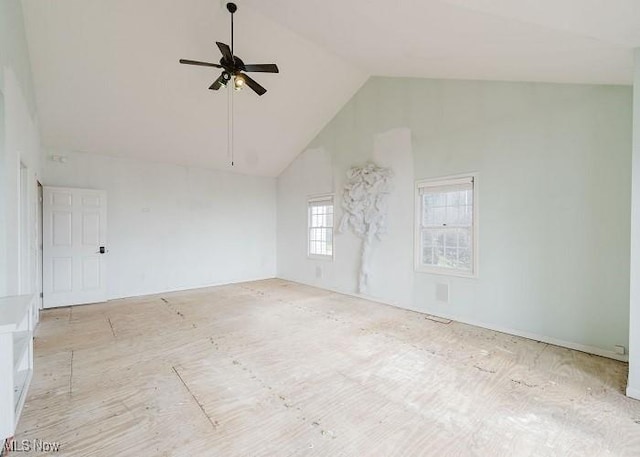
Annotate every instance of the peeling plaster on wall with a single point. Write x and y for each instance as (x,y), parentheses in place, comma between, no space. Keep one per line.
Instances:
(364,201)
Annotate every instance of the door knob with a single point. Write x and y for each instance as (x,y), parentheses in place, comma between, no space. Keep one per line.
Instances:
(102,250)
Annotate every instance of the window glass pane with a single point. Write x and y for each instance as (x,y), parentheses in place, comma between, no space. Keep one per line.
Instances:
(453,214)
(438,254)
(427,214)
(451,257)
(445,252)
(465,215)
(426,238)
(464,259)
(451,238)
(438,199)
(427,256)
(437,215)
(447,227)
(464,238)
(320,228)
(453,198)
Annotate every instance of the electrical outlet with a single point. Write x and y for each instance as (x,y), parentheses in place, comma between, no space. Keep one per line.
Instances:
(620,350)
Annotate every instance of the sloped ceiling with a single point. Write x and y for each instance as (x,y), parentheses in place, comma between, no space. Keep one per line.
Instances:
(573,41)
(108,80)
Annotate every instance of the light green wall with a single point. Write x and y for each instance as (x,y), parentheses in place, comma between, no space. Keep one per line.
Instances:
(633,387)
(553,190)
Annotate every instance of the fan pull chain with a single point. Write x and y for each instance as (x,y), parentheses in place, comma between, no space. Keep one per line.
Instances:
(230,125)
(233,129)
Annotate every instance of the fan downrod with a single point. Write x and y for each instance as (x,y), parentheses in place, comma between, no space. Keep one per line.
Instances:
(232,7)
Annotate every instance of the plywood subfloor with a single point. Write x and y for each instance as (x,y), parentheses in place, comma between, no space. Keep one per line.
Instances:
(274,368)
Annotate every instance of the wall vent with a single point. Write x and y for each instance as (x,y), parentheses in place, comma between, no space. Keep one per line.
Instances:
(442,292)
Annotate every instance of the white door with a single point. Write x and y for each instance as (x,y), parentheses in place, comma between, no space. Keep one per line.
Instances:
(74,246)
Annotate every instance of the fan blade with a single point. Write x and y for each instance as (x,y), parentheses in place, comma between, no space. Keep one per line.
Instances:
(218,83)
(202,64)
(257,88)
(262,67)
(226,52)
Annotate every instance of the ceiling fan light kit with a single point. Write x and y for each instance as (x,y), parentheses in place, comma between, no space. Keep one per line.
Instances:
(238,83)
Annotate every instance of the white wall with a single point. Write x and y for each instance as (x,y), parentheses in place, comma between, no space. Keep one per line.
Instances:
(633,388)
(173,227)
(553,191)
(19,142)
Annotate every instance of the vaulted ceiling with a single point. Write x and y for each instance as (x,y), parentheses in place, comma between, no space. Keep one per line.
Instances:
(108,81)
(573,41)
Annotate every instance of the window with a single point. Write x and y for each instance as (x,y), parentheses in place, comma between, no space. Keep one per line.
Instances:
(445,226)
(321,227)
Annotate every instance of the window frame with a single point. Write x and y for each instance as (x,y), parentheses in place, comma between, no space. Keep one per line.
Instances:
(321,198)
(417,248)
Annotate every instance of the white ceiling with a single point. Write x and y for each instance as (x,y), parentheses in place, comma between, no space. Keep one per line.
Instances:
(576,41)
(107,78)
(108,81)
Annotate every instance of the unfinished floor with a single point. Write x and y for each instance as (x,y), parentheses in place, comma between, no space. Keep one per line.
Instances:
(274,368)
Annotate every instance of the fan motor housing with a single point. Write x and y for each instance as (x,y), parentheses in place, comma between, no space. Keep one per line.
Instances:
(233,66)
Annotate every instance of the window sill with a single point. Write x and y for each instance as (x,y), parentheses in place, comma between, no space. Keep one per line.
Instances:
(326,258)
(444,272)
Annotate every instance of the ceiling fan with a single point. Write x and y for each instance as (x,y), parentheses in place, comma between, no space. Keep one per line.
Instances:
(233,67)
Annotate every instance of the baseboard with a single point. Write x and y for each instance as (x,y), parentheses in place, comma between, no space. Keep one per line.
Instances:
(183,289)
(167,291)
(531,336)
(633,393)
(544,339)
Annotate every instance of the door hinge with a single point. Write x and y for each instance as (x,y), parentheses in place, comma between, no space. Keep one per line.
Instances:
(41,295)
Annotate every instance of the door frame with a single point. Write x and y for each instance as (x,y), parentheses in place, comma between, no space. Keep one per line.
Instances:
(40,248)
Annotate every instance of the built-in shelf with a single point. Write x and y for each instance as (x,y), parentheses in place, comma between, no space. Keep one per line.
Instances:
(16,359)
(20,389)
(22,342)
